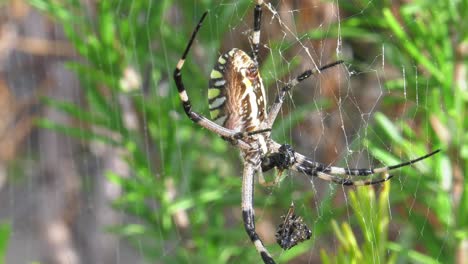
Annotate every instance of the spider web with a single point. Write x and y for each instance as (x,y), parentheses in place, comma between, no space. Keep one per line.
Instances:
(142,183)
(330,117)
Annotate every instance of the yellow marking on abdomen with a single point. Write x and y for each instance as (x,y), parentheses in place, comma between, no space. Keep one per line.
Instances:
(213,92)
(214,113)
(215,74)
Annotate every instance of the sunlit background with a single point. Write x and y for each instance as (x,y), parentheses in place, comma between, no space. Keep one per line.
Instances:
(99,164)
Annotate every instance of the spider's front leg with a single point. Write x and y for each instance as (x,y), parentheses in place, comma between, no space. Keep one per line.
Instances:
(275,108)
(226,133)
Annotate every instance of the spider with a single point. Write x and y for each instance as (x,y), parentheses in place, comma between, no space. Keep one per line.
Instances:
(237,104)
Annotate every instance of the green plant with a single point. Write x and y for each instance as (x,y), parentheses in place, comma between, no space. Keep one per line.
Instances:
(178,170)
(5,230)
(426,41)
(371,214)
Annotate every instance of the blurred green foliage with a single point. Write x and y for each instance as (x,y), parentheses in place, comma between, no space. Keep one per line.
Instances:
(372,216)
(427,41)
(5,231)
(179,169)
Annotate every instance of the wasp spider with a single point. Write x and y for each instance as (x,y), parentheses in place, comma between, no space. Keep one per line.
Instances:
(237,104)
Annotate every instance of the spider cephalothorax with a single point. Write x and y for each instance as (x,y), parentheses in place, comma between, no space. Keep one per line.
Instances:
(236,98)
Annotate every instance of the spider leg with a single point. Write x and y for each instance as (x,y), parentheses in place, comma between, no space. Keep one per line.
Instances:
(305,165)
(256,30)
(194,116)
(251,166)
(244,134)
(262,181)
(275,108)
(308,164)
(346,181)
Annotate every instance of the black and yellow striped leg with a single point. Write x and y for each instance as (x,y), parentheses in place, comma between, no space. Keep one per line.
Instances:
(256,30)
(315,169)
(328,173)
(251,166)
(346,181)
(194,116)
(275,108)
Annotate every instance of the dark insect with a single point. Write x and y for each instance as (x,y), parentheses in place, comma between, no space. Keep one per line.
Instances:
(292,231)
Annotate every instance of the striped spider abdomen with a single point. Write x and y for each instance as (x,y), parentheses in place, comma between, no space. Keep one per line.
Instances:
(236,95)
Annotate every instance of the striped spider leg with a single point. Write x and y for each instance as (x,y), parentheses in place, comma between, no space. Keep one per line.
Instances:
(283,157)
(228,134)
(301,163)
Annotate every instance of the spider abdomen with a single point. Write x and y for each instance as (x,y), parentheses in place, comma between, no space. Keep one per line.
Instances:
(236,95)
